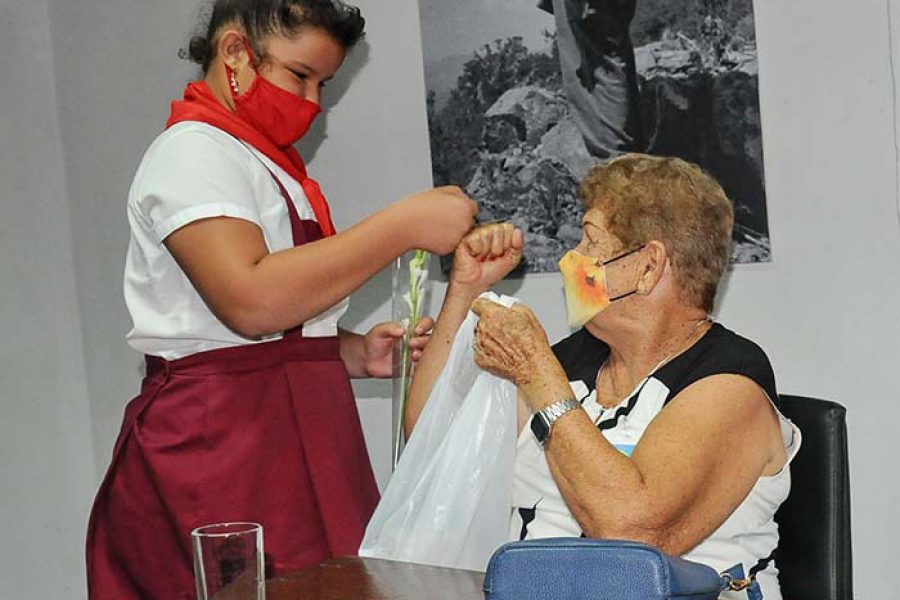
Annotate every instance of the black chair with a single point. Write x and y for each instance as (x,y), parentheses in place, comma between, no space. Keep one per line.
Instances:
(814,554)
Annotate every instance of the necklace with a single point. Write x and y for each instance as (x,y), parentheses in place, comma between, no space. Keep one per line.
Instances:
(681,347)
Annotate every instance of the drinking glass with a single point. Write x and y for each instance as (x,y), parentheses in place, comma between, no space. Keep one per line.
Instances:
(228,561)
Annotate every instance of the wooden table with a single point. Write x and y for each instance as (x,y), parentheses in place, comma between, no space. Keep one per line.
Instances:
(354,578)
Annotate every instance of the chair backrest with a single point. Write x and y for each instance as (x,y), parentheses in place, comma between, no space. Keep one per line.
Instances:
(814,554)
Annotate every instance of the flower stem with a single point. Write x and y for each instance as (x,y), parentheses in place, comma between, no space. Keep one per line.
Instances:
(417,275)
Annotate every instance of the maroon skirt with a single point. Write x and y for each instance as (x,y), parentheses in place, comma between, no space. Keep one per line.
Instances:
(267,433)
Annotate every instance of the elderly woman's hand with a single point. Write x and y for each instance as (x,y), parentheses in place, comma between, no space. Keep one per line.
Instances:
(512,344)
(485,256)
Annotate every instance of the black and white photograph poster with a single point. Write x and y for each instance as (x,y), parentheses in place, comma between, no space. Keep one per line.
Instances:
(524,96)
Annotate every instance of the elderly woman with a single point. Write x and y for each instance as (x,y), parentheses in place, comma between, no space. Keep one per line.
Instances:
(652,422)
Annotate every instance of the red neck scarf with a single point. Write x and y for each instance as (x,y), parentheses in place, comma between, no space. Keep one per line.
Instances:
(199,104)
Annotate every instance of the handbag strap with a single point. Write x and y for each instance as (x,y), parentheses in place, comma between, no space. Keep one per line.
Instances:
(732,584)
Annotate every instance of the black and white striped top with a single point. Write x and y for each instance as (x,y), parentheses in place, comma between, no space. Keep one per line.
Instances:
(748,535)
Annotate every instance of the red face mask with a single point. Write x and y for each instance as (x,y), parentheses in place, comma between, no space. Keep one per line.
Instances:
(278,114)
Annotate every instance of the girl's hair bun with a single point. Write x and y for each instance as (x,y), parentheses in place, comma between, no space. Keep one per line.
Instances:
(198,51)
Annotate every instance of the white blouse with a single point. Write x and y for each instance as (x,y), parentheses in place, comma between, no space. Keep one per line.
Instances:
(195,171)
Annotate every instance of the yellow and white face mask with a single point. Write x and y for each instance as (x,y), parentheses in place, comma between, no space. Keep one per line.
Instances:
(584,282)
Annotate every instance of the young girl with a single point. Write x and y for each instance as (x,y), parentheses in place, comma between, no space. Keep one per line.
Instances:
(235,280)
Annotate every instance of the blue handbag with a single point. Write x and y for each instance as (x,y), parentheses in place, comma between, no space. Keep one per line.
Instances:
(586,569)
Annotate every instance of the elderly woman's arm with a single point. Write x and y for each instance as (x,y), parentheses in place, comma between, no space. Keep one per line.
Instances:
(484,257)
(693,466)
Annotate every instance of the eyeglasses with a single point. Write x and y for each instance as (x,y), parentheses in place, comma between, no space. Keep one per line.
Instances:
(608,261)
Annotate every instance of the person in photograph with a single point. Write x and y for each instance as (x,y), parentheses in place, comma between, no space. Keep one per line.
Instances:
(598,71)
(235,280)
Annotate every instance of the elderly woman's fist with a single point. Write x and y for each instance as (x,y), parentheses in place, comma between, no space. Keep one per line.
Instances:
(485,256)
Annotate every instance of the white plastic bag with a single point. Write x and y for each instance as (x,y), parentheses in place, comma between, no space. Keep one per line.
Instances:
(448,502)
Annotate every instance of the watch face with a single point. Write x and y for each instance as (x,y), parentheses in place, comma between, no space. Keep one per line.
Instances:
(539,427)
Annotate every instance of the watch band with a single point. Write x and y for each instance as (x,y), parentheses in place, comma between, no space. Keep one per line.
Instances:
(543,420)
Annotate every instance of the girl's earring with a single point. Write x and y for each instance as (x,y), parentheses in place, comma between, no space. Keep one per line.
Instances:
(234,84)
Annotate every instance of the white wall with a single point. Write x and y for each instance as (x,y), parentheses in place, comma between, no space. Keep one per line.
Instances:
(825,309)
(116,71)
(47,470)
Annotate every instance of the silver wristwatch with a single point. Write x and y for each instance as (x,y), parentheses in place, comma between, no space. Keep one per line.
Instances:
(543,419)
